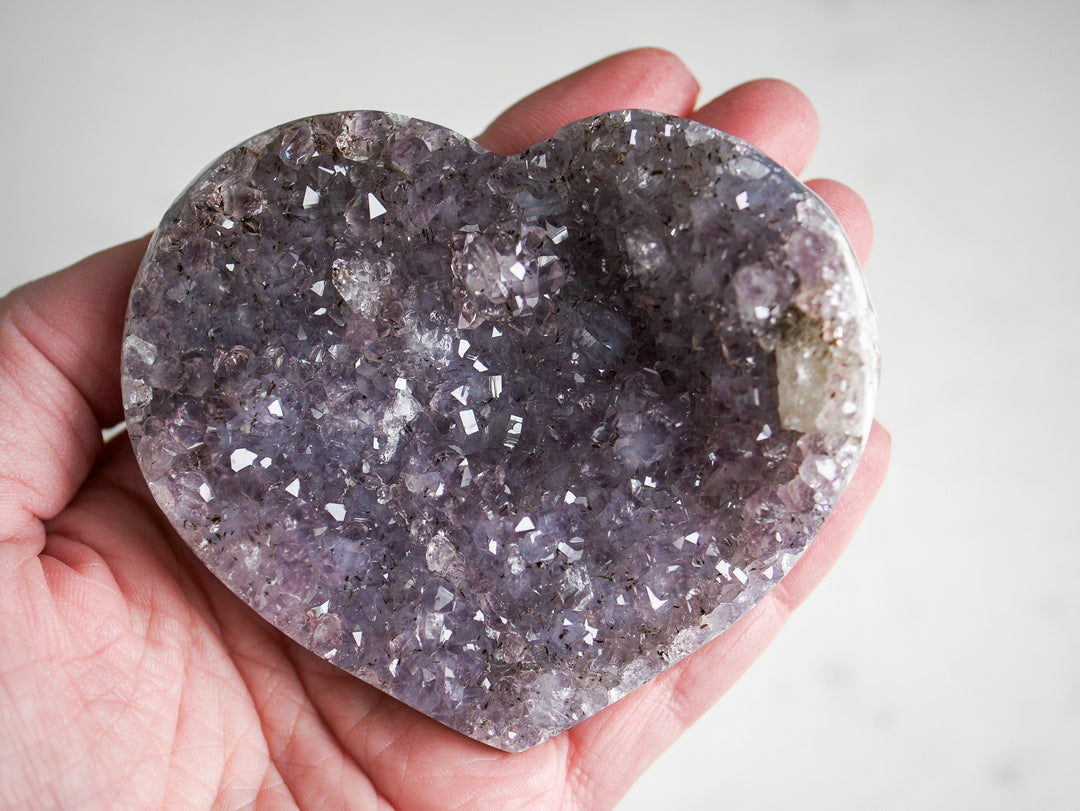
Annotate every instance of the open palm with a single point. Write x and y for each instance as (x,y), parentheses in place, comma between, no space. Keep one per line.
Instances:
(129,677)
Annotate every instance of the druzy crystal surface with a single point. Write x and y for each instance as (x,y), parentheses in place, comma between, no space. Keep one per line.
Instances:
(503,436)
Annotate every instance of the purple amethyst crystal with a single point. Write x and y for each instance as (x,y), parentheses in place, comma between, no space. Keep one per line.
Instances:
(502,436)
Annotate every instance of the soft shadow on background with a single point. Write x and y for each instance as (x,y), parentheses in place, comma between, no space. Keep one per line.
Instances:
(938,665)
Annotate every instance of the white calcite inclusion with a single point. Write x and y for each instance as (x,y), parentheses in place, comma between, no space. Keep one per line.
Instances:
(502,436)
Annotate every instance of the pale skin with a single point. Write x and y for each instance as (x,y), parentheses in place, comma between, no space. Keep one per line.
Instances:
(129,677)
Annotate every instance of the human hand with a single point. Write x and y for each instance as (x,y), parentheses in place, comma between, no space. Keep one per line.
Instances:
(129,676)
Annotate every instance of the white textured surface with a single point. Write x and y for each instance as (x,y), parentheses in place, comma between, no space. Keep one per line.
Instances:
(937,667)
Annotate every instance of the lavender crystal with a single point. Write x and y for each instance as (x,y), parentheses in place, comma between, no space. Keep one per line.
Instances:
(503,437)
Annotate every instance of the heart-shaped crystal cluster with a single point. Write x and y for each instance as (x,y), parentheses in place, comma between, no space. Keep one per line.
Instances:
(503,436)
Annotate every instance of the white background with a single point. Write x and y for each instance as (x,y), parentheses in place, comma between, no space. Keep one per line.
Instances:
(938,665)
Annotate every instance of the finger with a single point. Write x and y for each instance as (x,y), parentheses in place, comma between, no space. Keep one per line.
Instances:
(773,115)
(647,78)
(59,381)
(851,211)
(613,747)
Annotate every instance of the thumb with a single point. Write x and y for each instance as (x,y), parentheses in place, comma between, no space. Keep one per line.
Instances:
(59,384)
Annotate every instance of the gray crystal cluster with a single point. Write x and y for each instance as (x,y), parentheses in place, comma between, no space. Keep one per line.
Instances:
(504,437)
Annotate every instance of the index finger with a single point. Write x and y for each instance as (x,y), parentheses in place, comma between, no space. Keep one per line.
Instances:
(646,78)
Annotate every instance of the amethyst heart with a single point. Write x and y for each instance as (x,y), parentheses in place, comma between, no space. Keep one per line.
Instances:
(503,436)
